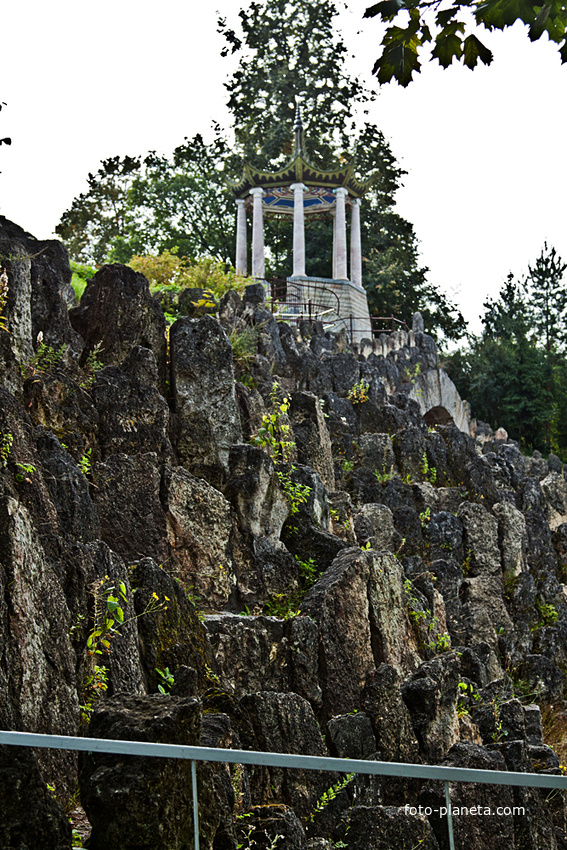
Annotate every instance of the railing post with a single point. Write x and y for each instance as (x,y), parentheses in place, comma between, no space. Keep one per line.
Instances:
(196,803)
(449,817)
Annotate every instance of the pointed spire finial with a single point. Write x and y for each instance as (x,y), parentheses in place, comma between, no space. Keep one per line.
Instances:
(298,130)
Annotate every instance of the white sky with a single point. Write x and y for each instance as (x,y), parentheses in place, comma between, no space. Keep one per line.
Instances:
(484,150)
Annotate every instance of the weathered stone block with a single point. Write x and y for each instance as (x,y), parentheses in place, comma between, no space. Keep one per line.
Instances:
(202,384)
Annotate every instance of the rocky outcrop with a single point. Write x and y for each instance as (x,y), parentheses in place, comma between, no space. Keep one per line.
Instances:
(384,578)
(202,384)
(116,314)
(360,609)
(159,809)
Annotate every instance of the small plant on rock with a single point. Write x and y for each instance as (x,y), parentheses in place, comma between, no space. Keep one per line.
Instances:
(166,680)
(6,442)
(329,795)
(91,367)
(359,392)
(45,358)
(274,436)
(3,299)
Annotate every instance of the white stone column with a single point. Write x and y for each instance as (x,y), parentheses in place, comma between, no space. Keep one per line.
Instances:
(340,235)
(258,265)
(355,244)
(335,244)
(298,230)
(241,247)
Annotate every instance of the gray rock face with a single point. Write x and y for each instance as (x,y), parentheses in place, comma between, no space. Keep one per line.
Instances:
(38,276)
(199,530)
(374,524)
(133,415)
(391,721)
(30,815)
(431,697)
(385,827)
(312,436)
(265,653)
(378,453)
(159,810)
(512,538)
(123,662)
(126,492)
(118,312)
(173,635)
(351,736)
(285,723)
(554,488)
(360,608)
(255,492)
(202,383)
(470,830)
(437,395)
(480,540)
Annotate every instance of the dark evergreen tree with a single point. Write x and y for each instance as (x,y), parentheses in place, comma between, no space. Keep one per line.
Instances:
(547,301)
(502,372)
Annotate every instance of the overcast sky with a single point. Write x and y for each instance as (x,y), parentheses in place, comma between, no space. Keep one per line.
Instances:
(484,150)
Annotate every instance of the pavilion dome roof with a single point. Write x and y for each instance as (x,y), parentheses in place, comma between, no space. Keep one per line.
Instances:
(299,170)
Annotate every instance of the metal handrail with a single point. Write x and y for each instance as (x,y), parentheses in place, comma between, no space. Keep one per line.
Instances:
(289,760)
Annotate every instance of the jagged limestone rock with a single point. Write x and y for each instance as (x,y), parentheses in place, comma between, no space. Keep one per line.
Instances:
(512,538)
(133,415)
(202,384)
(170,631)
(199,531)
(480,540)
(431,697)
(374,525)
(312,436)
(351,736)
(127,496)
(472,830)
(256,493)
(30,815)
(117,313)
(360,608)
(284,722)
(386,827)
(158,812)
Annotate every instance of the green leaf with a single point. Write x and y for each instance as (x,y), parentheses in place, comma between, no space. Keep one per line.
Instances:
(445,15)
(499,14)
(475,50)
(538,26)
(563,51)
(387,10)
(399,59)
(447,48)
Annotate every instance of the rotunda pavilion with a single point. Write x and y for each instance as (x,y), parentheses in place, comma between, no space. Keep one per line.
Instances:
(301,190)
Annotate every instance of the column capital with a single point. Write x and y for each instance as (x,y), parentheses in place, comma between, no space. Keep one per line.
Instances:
(341,192)
(356,201)
(257,192)
(297,186)
(240,202)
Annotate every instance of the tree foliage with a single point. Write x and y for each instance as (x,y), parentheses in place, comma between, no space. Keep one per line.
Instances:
(98,216)
(515,373)
(288,52)
(449,30)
